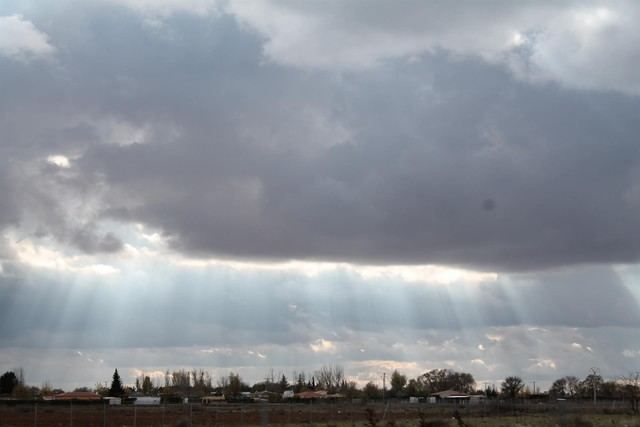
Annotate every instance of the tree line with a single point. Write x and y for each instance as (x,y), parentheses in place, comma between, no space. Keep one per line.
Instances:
(333,380)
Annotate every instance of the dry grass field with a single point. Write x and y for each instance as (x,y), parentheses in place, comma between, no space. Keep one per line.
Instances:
(322,415)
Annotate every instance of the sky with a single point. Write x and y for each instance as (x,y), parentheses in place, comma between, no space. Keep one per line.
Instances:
(280,185)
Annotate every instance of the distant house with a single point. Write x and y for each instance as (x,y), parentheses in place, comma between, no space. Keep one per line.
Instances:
(450,396)
(308,395)
(477,398)
(266,396)
(147,401)
(335,396)
(78,395)
(213,400)
(288,394)
(113,401)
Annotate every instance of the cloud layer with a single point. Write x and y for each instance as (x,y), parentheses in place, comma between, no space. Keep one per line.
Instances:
(446,158)
(163,314)
(170,157)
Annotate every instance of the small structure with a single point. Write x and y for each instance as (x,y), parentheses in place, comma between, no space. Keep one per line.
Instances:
(450,396)
(147,401)
(475,399)
(309,395)
(265,396)
(213,399)
(113,401)
(288,394)
(78,395)
(335,396)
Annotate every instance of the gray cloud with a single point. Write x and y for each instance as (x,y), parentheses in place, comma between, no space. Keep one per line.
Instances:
(185,128)
(578,44)
(407,185)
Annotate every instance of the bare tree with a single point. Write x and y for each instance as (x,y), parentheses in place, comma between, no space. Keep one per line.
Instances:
(559,388)
(301,381)
(568,386)
(223,382)
(631,388)
(330,378)
(234,386)
(512,386)
(573,386)
(398,381)
(181,380)
(371,391)
(437,380)
(167,379)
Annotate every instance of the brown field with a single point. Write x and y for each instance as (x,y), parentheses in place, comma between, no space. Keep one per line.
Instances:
(338,415)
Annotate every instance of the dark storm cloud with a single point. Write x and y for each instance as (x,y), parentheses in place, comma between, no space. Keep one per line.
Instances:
(396,163)
(408,185)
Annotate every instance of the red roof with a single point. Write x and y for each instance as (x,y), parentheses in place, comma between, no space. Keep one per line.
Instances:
(78,395)
(311,394)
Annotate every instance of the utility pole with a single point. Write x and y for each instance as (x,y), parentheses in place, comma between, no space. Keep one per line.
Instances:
(594,374)
(384,384)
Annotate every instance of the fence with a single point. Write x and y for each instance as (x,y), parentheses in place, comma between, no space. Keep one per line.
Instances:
(72,414)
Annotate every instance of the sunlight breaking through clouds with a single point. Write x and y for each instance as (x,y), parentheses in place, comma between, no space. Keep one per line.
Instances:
(280,186)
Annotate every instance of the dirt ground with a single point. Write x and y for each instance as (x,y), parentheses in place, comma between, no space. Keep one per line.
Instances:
(337,415)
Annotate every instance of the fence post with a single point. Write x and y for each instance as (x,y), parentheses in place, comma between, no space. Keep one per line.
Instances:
(71,413)
(135,415)
(104,414)
(35,414)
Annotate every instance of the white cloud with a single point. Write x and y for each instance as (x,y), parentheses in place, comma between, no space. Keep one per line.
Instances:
(165,8)
(580,347)
(494,338)
(44,257)
(539,364)
(581,45)
(215,350)
(585,46)
(157,375)
(20,39)
(59,161)
(322,346)
(121,132)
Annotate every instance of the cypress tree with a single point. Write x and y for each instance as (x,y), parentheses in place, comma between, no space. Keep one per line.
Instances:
(116,385)
(8,381)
